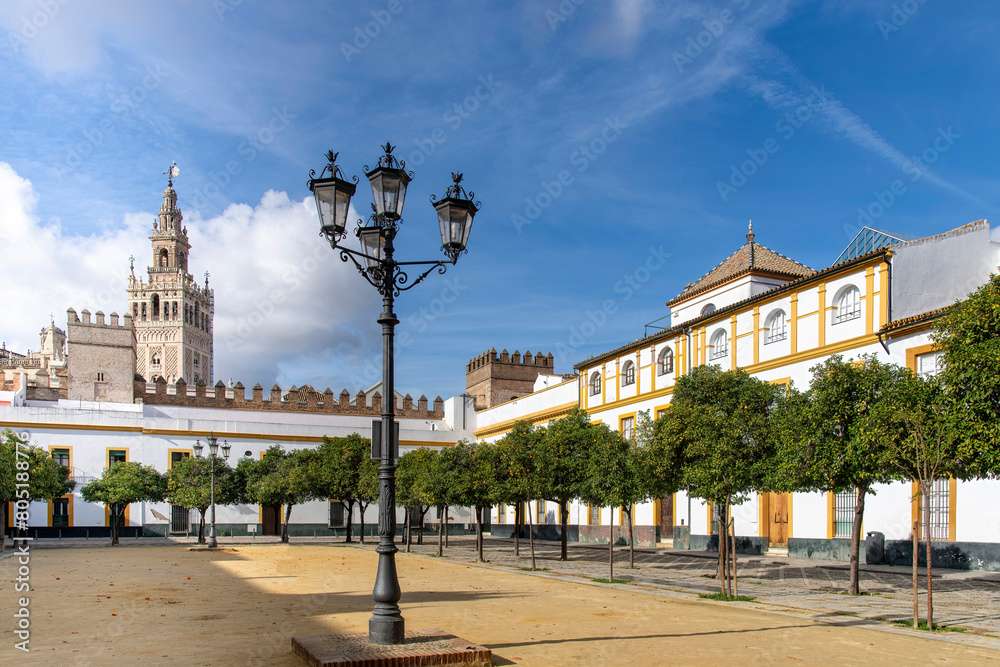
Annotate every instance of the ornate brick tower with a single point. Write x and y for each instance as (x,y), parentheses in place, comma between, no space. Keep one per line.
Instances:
(171,314)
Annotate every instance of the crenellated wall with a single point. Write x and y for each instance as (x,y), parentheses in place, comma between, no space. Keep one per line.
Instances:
(303,399)
(493,379)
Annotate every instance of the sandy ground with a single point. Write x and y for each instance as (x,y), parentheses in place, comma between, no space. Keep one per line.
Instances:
(242,606)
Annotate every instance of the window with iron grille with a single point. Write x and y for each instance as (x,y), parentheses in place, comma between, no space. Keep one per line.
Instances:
(628,374)
(593,516)
(940,499)
(719,345)
(848,305)
(117,456)
(777,327)
(179,519)
(540,512)
(60,512)
(337,518)
(501,513)
(843,513)
(61,456)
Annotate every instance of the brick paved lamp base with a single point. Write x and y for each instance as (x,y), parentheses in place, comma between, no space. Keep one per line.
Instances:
(422,647)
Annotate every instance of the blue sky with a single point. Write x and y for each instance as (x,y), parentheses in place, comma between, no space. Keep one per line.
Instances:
(618,148)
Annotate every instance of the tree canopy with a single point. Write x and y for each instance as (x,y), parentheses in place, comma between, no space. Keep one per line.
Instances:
(28,473)
(122,484)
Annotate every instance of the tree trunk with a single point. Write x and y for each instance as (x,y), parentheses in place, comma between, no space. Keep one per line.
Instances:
(611,548)
(420,534)
(631,538)
(564,520)
(736,583)
(722,552)
(916,547)
(517,529)
(409,528)
(201,524)
(349,505)
(441,514)
(479,532)
(854,585)
(116,514)
(926,489)
(3,522)
(446,508)
(361,508)
(531,538)
(284,528)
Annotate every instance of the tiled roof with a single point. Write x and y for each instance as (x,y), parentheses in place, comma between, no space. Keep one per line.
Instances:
(913,319)
(672,331)
(750,258)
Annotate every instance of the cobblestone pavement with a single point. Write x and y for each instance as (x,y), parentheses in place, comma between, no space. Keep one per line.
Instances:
(810,588)
(815,588)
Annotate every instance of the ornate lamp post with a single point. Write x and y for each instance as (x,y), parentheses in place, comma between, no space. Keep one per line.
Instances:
(213,449)
(455,212)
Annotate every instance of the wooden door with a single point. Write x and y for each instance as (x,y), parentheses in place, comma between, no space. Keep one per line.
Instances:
(271,520)
(667,517)
(777,517)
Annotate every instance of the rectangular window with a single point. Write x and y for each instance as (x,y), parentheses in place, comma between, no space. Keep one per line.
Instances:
(100,377)
(179,519)
(628,427)
(501,513)
(337,518)
(929,365)
(61,456)
(540,512)
(60,512)
(843,513)
(940,499)
(117,456)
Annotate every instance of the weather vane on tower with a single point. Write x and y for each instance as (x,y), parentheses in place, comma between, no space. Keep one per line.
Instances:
(174,170)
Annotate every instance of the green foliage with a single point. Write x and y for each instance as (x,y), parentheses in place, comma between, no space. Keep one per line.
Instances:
(561,459)
(611,581)
(722,597)
(517,478)
(412,471)
(613,473)
(189,483)
(45,478)
(969,334)
(716,439)
(121,485)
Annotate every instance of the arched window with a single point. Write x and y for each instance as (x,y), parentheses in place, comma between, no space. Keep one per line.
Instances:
(143,310)
(665,363)
(719,345)
(163,258)
(595,383)
(710,308)
(154,361)
(628,374)
(180,261)
(777,327)
(848,303)
(174,315)
(156,305)
(197,315)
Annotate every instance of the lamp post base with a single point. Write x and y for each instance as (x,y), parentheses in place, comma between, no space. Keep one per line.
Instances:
(386,630)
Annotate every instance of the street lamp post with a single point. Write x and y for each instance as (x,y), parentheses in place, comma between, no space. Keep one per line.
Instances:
(213,449)
(455,212)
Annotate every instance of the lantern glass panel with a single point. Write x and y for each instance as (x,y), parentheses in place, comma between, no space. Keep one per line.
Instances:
(373,245)
(389,191)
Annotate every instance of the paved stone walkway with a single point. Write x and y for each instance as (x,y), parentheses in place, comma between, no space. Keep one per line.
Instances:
(806,587)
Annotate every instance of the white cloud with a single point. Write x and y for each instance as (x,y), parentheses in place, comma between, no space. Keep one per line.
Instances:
(282,298)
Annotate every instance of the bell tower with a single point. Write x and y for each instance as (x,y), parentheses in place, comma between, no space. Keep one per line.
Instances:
(172,315)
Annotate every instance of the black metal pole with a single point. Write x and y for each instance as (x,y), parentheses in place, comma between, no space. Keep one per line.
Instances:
(386,626)
(212,542)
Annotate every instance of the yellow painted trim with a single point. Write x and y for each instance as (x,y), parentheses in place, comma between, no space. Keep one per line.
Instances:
(787,380)
(915,518)
(69,509)
(74,427)
(762,514)
(623,417)
(673,513)
(709,529)
(913,352)
(666,391)
(126,520)
(535,417)
(638,371)
(883,291)
(704,344)
(170,457)
(657,511)
(732,343)
(830,513)
(67,447)
(821,328)
(756,335)
(809,314)
(795,322)
(791,497)
(659,410)
(107,455)
(869,303)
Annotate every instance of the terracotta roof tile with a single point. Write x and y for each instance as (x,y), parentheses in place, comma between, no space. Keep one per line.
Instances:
(913,319)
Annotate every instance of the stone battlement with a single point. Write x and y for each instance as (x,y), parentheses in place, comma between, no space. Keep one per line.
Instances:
(98,320)
(491,357)
(303,399)
(493,379)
